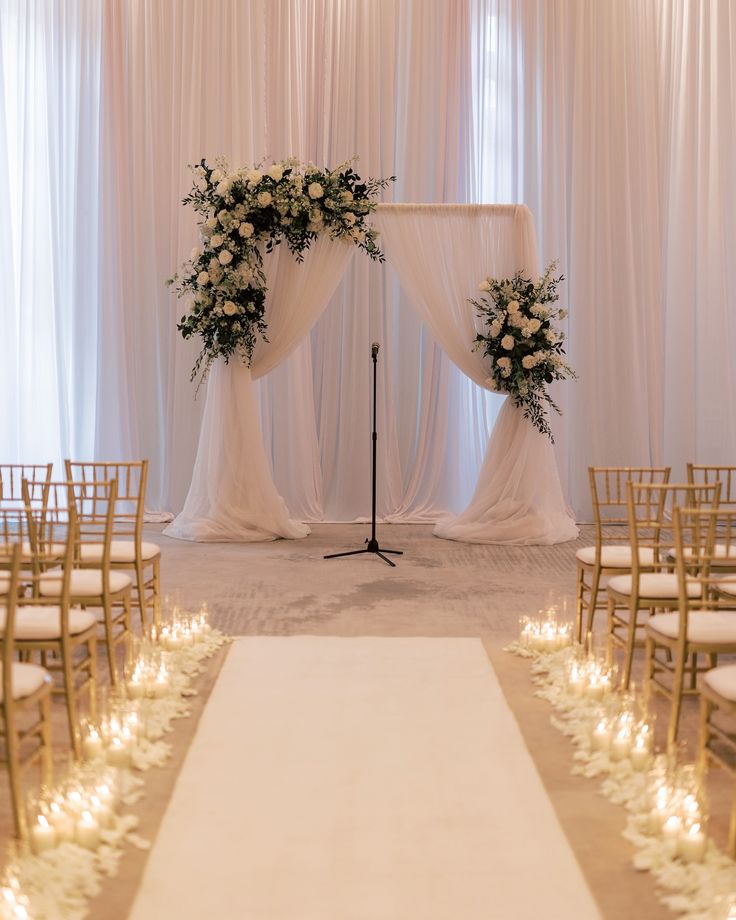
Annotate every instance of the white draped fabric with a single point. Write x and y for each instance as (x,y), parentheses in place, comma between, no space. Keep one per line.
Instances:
(232,496)
(441,253)
(614,121)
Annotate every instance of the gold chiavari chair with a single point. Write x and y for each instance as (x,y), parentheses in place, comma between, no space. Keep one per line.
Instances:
(91,513)
(25,687)
(11,481)
(128,549)
(726,475)
(651,585)
(705,621)
(611,554)
(62,636)
(717,742)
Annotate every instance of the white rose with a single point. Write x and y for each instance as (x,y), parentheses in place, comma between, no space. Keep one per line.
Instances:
(494,329)
(223,216)
(535,325)
(203,278)
(513,306)
(504,362)
(484,286)
(229,308)
(265,199)
(528,362)
(346,195)
(526,332)
(225,257)
(211,222)
(195,253)
(246,230)
(551,336)
(349,218)
(217,240)
(315,190)
(217,175)
(254,176)
(276,172)
(223,188)
(508,342)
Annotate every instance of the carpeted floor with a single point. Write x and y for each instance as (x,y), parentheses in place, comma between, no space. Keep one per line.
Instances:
(438,589)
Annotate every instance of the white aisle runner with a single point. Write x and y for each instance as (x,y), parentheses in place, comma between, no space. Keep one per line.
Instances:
(360,779)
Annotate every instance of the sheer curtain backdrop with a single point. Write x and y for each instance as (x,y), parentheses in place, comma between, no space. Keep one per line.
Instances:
(612,121)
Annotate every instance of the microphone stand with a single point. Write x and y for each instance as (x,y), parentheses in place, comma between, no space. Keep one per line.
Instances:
(372,543)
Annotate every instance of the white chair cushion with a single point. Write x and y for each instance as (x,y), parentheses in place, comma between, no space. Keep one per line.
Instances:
(37,622)
(27,678)
(120,551)
(615,557)
(83,583)
(652,585)
(723,680)
(718,626)
(727,585)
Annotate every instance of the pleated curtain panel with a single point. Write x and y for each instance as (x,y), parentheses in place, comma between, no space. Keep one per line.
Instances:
(614,129)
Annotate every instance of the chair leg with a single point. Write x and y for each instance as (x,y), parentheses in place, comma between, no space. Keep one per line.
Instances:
(649,653)
(609,635)
(706,708)
(595,583)
(110,642)
(47,759)
(92,661)
(141,588)
(156,591)
(629,651)
(579,595)
(70,693)
(678,681)
(16,792)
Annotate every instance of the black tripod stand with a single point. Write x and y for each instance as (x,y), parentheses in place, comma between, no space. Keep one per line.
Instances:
(372,544)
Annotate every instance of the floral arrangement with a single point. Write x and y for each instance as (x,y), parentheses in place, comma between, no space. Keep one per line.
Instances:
(522,342)
(241,212)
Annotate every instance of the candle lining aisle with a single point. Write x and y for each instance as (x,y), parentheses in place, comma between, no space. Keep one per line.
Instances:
(667,808)
(77,835)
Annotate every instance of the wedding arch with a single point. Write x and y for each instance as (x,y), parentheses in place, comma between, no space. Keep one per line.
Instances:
(439,253)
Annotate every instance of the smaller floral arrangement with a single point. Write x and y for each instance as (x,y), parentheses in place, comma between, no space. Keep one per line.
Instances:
(242,213)
(524,346)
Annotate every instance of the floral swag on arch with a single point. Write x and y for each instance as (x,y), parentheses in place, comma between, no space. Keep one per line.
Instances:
(240,211)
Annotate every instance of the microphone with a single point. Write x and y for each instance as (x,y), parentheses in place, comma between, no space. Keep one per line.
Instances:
(374,350)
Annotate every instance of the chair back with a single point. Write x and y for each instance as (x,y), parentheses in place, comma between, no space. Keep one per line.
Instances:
(698,473)
(700,534)
(131,478)
(11,481)
(650,512)
(608,491)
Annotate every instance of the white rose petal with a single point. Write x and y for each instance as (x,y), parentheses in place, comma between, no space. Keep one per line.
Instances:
(508,342)
(225,257)
(315,190)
